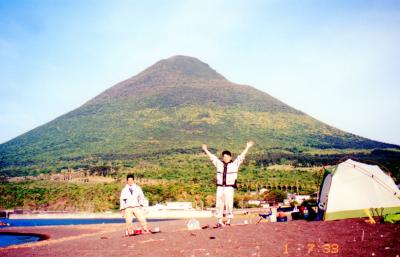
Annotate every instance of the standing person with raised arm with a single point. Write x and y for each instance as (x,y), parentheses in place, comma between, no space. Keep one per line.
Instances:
(226,181)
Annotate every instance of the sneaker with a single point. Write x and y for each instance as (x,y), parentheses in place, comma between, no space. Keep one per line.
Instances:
(218,225)
(205,227)
(128,232)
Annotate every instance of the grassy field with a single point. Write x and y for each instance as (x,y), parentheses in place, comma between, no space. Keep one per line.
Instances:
(178,177)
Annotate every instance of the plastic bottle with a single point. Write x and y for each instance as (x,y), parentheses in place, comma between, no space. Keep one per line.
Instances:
(193,224)
(305,213)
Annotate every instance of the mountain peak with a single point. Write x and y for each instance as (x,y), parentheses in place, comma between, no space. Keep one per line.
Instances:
(183,81)
(175,71)
(185,66)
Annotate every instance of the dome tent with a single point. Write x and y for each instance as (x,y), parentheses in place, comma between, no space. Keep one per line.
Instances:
(354,189)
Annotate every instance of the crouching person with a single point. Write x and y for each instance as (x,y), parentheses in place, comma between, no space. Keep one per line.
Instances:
(131,203)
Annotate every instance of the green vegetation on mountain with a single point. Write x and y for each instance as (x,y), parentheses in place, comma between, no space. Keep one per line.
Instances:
(174,106)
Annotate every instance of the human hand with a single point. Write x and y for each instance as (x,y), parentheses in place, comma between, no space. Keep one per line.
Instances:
(204,147)
(250,144)
(123,213)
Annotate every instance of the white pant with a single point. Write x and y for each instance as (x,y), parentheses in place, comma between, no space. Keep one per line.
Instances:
(137,211)
(224,199)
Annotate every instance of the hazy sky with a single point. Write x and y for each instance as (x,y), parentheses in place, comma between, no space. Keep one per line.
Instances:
(338,61)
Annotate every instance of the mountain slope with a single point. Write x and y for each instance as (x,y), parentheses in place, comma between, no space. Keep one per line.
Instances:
(175,105)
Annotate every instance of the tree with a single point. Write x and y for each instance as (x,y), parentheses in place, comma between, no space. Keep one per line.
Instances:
(210,200)
(275,196)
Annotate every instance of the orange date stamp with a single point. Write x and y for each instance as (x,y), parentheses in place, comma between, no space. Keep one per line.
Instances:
(311,247)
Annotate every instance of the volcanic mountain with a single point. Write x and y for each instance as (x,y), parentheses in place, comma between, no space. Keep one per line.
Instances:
(175,105)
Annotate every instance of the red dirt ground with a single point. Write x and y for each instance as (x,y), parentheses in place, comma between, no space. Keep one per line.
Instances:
(352,237)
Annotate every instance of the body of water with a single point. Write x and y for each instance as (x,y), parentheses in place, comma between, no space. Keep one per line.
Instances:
(7,239)
(58,222)
(62,222)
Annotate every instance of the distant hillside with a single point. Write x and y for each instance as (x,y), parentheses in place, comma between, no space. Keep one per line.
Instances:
(173,106)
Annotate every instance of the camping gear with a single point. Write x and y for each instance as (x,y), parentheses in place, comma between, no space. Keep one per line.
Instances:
(285,209)
(263,216)
(138,232)
(296,215)
(307,212)
(304,212)
(266,215)
(281,217)
(354,189)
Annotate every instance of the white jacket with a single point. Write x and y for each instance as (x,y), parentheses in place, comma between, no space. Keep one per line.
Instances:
(232,169)
(131,199)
